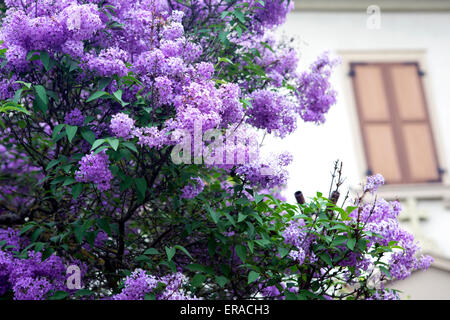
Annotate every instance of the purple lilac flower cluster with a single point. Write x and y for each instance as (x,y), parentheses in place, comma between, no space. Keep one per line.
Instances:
(272,111)
(314,90)
(95,168)
(295,236)
(267,172)
(139,284)
(122,125)
(32,278)
(193,188)
(74,118)
(373,183)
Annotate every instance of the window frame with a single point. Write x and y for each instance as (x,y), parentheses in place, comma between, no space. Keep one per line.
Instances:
(395,121)
(391,191)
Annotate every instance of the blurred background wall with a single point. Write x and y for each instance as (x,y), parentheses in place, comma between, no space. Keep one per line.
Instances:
(392,115)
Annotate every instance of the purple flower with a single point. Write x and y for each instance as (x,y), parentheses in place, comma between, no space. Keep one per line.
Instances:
(95,168)
(28,288)
(122,125)
(139,284)
(373,183)
(74,118)
(193,188)
(314,90)
(272,111)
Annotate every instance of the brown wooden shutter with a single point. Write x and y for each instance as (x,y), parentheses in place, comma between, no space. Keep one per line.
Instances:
(398,140)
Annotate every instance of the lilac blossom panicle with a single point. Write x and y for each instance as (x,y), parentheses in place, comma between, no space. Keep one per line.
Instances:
(295,235)
(74,118)
(373,183)
(193,188)
(139,284)
(95,168)
(267,172)
(32,278)
(381,218)
(122,125)
(315,93)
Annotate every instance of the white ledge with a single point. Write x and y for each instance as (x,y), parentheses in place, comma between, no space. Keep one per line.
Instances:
(425,191)
(361,5)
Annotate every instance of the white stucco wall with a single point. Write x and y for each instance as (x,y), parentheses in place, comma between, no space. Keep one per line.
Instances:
(315,148)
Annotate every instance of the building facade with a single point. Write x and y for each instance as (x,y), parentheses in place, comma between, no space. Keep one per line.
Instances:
(392,116)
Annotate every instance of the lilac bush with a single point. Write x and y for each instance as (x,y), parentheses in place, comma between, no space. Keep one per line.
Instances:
(97,96)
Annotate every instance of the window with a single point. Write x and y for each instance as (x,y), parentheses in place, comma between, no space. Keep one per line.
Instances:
(393,116)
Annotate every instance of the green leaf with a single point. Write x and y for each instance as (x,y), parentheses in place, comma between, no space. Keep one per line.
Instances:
(114,143)
(141,185)
(385,271)
(283,251)
(196,267)
(97,95)
(238,14)
(241,251)
(59,295)
(38,246)
(325,257)
(290,296)
(68,181)
(100,149)
(198,280)
(83,292)
(252,276)
(103,224)
(351,244)
(73,66)
(71,131)
(79,233)
(51,164)
(258,198)
(41,99)
(45,59)
(103,83)
(57,130)
(230,218)
(221,281)
(251,246)
(47,253)
(130,146)
(88,135)
(241,217)
(97,143)
(151,251)
(13,106)
(242,201)
(36,234)
(184,251)
(27,227)
(118,95)
(17,95)
(150,296)
(214,215)
(170,253)
(26,84)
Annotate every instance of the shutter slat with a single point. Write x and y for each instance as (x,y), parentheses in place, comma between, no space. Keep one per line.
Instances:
(371,93)
(419,149)
(382,153)
(408,92)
